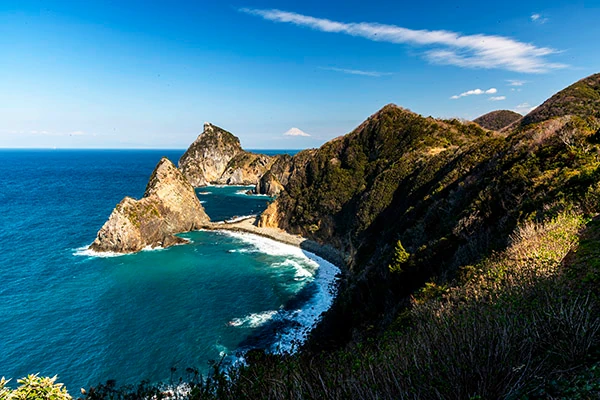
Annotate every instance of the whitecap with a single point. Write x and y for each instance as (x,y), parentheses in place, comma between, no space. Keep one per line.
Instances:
(85,251)
(301,271)
(238,219)
(266,245)
(324,273)
(231,186)
(253,320)
(309,314)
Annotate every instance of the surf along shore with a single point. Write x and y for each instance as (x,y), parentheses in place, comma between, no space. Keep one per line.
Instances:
(249,225)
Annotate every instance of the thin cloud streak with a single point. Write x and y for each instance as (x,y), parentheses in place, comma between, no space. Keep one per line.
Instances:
(497,98)
(474,92)
(470,51)
(515,82)
(375,74)
(524,108)
(537,18)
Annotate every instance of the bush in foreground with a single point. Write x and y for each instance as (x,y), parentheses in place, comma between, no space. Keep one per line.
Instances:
(34,387)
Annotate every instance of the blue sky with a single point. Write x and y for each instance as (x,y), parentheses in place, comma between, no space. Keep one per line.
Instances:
(147,74)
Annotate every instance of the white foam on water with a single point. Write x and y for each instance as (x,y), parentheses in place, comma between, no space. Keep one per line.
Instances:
(232,186)
(301,271)
(253,320)
(265,245)
(307,264)
(245,193)
(85,251)
(202,201)
(204,193)
(223,351)
(310,314)
(157,248)
(238,219)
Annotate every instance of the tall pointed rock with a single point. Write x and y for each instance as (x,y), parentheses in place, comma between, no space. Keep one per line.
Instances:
(169,206)
(206,159)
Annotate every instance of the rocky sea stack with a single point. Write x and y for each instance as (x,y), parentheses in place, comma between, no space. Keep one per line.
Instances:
(169,206)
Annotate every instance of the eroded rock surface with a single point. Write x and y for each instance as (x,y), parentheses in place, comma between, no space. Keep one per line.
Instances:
(245,169)
(207,158)
(169,206)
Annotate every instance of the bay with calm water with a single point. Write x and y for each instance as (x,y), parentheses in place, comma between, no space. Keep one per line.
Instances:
(87,319)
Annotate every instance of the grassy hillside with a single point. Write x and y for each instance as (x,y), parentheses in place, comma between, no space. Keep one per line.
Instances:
(522,323)
(472,262)
(448,193)
(582,99)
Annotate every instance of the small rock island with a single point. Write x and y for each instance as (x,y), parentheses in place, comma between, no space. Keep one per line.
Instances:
(169,206)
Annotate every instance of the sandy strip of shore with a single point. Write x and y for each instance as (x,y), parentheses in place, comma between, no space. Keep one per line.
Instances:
(248,225)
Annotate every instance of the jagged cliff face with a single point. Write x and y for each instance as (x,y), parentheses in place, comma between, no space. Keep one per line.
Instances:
(272,183)
(450,191)
(169,206)
(336,192)
(207,158)
(245,169)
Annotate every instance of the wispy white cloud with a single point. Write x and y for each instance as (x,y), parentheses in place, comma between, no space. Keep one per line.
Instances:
(524,108)
(295,132)
(474,92)
(538,19)
(471,51)
(375,74)
(497,98)
(515,82)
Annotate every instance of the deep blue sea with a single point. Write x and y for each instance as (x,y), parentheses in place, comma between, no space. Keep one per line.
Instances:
(88,319)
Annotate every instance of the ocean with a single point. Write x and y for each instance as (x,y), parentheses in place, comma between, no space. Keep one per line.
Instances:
(65,311)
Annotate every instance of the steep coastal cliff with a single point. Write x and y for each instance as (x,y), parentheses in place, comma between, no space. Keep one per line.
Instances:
(216,157)
(471,257)
(206,159)
(169,206)
(448,191)
(245,169)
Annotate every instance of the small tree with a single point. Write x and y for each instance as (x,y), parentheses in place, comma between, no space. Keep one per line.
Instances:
(399,259)
(33,387)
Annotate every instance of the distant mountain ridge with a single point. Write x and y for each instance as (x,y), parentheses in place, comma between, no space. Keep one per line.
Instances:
(497,120)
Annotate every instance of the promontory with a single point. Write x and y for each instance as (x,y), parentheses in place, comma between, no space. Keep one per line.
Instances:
(169,206)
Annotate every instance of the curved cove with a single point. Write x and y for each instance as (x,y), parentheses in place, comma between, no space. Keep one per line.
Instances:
(132,317)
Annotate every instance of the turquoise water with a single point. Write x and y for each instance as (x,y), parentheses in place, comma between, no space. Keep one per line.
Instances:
(133,317)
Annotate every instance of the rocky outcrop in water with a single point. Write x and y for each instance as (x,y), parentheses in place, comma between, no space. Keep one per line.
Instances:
(169,206)
(207,158)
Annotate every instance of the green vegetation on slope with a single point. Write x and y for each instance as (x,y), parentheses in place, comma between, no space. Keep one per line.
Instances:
(468,275)
(515,325)
(582,98)
(451,192)
(497,120)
